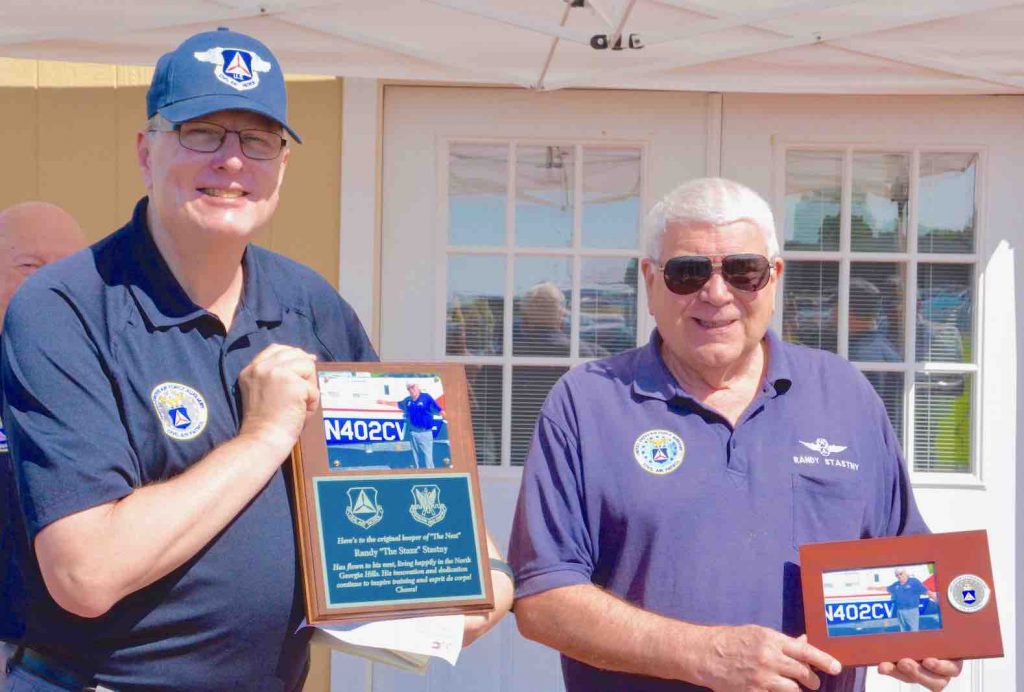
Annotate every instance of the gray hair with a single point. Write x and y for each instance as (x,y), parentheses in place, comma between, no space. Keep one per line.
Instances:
(712,201)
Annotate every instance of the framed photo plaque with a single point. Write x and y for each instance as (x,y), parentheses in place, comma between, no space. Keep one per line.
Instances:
(387,499)
(884,599)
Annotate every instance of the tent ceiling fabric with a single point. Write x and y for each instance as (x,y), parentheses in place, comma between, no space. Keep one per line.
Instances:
(782,46)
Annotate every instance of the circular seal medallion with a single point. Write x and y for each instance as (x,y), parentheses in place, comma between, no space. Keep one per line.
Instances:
(181,410)
(659,451)
(968,593)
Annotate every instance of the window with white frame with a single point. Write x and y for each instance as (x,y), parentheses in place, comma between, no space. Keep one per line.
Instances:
(882,268)
(542,251)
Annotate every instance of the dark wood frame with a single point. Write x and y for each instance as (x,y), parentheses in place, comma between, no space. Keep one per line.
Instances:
(963,635)
(310,460)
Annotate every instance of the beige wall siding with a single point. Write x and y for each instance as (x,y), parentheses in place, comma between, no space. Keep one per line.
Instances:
(70,136)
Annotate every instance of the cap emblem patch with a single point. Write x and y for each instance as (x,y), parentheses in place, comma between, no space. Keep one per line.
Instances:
(239,69)
(181,410)
(659,451)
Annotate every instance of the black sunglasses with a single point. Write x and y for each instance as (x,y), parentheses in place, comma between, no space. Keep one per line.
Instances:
(688,274)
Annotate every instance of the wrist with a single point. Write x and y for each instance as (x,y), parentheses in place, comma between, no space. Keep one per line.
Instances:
(273,443)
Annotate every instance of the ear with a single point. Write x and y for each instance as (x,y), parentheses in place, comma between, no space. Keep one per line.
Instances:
(780,265)
(143,144)
(650,272)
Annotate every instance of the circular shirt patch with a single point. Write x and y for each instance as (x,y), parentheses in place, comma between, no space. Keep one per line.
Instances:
(181,409)
(659,451)
(3,439)
(968,593)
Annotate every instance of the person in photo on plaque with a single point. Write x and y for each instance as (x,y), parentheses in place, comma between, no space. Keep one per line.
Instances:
(906,594)
(153,387)
(419,409)
(32,235)
(668,488)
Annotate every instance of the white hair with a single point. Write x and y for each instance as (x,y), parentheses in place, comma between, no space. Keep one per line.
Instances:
(709,201)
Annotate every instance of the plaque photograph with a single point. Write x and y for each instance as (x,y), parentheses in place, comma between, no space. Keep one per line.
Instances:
(387,498)
(884,599)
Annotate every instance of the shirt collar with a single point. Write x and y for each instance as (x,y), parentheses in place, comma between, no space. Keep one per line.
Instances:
(653,379)
(161,297)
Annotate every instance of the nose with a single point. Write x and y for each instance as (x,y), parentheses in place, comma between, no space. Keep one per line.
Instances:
(716,291)
(230,156)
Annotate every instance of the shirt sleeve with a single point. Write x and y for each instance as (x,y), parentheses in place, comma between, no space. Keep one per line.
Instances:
(69,448)
(550,546)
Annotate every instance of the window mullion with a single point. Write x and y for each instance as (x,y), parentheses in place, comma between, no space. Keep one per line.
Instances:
(506,346)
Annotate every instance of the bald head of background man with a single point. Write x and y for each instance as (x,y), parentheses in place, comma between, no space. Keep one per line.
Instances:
(33,234)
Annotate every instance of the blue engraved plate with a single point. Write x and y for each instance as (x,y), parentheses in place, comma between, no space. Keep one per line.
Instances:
(398,539)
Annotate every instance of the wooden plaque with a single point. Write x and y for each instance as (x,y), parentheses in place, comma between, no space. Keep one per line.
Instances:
(387,499)
(884,599)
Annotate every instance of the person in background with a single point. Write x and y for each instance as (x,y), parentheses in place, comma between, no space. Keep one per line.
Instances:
(32,235)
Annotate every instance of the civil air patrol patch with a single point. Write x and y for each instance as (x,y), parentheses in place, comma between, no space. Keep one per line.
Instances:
(239,69)
(181,410)
(968,593)
(363,508)
(659,451)
(3,439)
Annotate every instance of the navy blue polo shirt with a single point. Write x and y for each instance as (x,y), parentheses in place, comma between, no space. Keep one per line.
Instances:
(420,411)
(636,487)
(113,380)
(907,596)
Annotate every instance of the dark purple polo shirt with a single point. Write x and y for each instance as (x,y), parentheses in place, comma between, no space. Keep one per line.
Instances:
(632,485)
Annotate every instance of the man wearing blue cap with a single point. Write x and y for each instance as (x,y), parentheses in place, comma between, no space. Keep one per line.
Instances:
(154,385)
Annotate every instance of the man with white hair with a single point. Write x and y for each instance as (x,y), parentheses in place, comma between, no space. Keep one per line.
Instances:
(668,488)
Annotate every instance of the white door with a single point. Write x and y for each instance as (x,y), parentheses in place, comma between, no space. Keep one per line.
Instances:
(899,216)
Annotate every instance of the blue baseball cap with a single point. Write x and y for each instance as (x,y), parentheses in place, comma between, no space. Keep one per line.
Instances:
(216,71)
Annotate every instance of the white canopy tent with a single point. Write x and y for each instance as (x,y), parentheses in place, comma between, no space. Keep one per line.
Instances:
(780,46)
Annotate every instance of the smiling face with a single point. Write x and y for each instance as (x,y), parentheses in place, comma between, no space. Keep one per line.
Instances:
(718,327)
(222,193)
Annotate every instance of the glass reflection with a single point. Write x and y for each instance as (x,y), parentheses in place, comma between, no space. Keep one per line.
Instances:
(530,387)
(541,318)
(946,212)
(942,422)
(611,198)
(945,312)
(475,306)
(809,304)
(876,312)
(544,196)
(485,411)
(814,182)
(477,194)
(878,215)
(607,305)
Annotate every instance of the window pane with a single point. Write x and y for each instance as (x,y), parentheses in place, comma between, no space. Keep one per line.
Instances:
(607,306)
(876,311)
(814,183)
(945,312)
(543,288)
(946,215)
(878,218)
(485,411)
(889,386)
(611,198)
(475,308)
(530,386)
(809,304)
(477,194)
(942,422)
(544,196)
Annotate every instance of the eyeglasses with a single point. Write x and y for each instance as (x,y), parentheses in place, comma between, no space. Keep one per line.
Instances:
(206,138)
(688,274)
